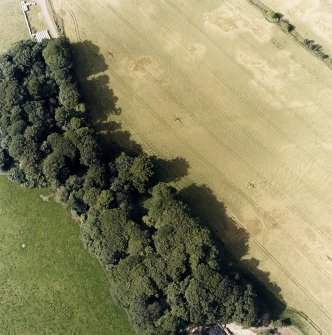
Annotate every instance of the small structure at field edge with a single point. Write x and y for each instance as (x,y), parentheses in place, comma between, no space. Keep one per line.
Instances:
(217,329)
(39,36)
(42,35)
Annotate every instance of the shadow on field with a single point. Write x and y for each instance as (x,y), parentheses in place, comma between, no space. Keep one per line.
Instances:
(90,67)
(94,82)
(171,170)
(234,241)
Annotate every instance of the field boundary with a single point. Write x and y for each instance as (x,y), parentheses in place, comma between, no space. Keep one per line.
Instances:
(278,19)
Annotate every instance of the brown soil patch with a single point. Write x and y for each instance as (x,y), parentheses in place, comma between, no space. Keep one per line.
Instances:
(197,50)
(310,235)
(260,69)
(254,226)
(140,64)
(230,19)
(279,216)
(45,197)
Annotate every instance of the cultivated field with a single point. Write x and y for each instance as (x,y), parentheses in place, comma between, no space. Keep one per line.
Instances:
(214,83)
(12,25)
(52,286)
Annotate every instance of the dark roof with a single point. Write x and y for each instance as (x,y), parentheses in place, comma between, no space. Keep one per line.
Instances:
(217,330)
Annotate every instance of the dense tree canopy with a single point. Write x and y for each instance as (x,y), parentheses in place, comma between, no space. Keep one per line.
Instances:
(164,266)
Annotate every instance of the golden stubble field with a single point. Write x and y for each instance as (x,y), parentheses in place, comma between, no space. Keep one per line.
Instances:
(214,83)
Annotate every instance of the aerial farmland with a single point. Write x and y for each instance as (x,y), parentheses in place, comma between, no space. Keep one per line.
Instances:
(243,108)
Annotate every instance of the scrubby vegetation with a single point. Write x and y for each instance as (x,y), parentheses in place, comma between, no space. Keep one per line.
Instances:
(287,27)
(165,268)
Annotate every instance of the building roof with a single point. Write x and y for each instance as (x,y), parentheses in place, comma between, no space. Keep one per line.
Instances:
(217,330)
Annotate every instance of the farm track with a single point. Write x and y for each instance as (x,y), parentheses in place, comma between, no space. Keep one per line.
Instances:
(255,204)
(142,101)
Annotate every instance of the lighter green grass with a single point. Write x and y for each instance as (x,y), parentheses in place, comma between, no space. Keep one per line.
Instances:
(36,19)
(53,286)
(12,25)
(300,321)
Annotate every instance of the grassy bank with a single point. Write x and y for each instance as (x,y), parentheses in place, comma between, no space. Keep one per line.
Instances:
(52,286)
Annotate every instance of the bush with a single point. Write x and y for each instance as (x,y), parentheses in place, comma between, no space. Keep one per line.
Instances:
(273,16)
(286,26)
(276,324)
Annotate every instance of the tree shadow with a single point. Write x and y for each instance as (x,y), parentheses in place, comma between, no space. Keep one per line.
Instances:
(212,214)
(171,170)
(90,67)
(233,241)
(263,284)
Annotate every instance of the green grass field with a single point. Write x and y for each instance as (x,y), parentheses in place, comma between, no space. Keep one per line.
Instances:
(52,286)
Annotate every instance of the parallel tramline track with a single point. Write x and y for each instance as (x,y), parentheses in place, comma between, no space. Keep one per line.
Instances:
(211,102)
(253,108)
(243,130)
(291,110)
(305,93)
(275,224)
(256,205)
(313,71)
(186,178)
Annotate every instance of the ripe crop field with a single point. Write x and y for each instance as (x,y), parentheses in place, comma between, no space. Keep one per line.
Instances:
(12,25)
(52,285)
(213,83)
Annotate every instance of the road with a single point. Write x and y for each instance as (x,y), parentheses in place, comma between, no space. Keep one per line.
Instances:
(48,18)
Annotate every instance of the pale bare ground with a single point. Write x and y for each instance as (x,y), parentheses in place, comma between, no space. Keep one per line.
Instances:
(12,25)
(238,330)
(47,16)
(313,18)
(214,83)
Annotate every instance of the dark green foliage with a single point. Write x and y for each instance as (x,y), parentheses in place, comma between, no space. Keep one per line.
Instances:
(17,146)
(285,25)
(57,56)
(164,266)
(175,268)
(16,175)
(34,88)
(54,168)
(61,146)
(273,16)
(4,160)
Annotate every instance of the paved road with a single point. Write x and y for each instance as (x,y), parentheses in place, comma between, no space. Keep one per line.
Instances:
(48,18)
